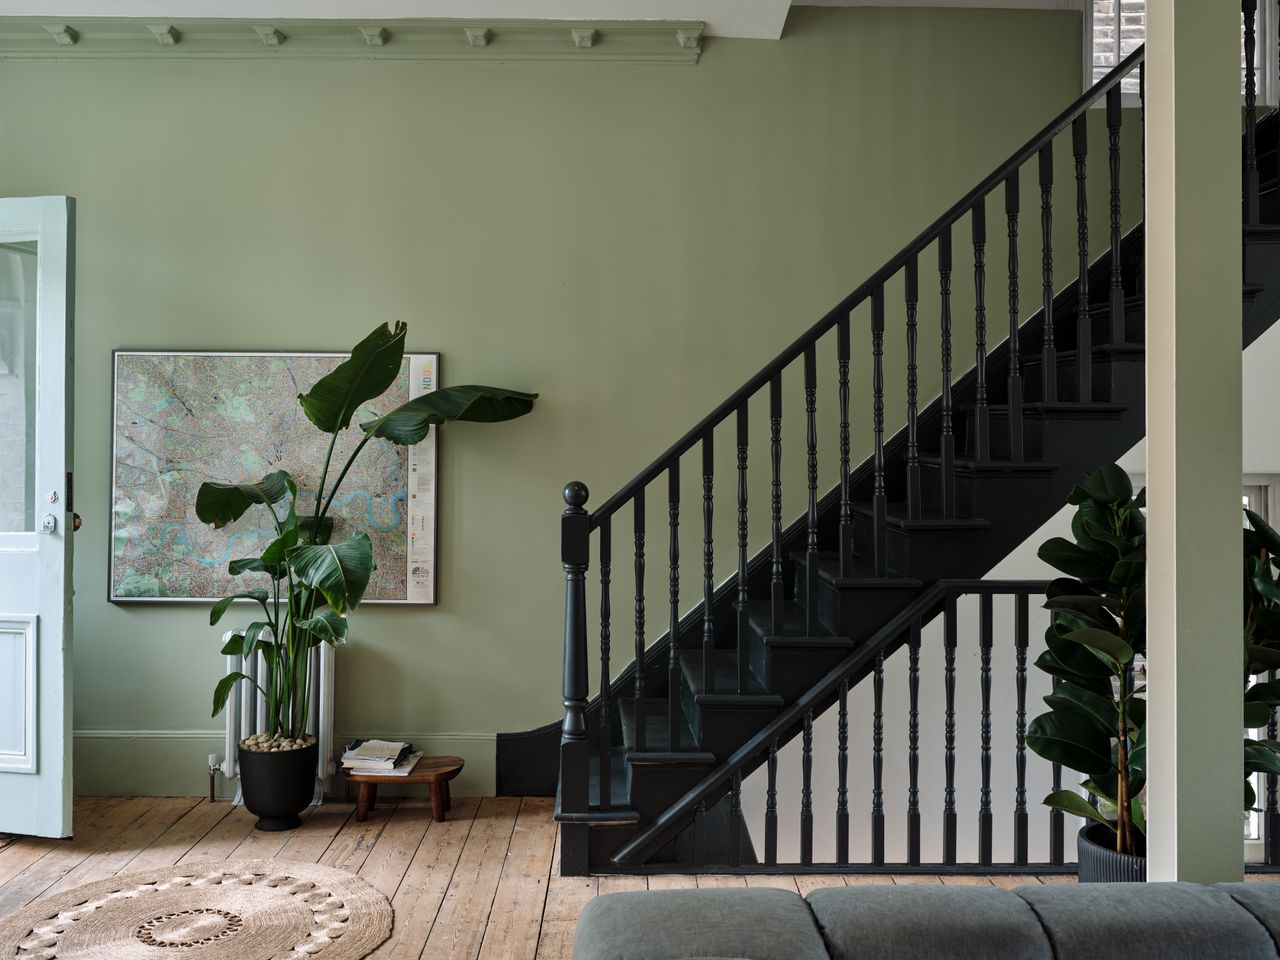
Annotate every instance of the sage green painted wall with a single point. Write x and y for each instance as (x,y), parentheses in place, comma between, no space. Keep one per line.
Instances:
(631,241)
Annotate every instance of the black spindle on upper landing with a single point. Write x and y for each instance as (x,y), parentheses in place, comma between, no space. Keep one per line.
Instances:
(811,458)
(949,831)
(948,440)
(877,762)
(846,500)
(913,745)
(743,598)
(606,684)
(981,412)
(708,566)
(777,596)
(1084,327)
(985,821)
(879,501)
(1011,206)
(1049,353)
(1021,639)
(1252,203)
(575,557)
(1116,298)
(913,389)
(639,700)
(673,605)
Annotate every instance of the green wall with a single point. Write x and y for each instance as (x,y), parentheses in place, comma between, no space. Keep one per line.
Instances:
(632,241)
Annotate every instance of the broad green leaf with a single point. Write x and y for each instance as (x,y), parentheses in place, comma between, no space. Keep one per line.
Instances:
(1050,664)
(1104,786)
(1256,714)
(1266,588)
(340,571)
(1096,611)
(223,503)
(1260,759)
(1140,501)
(1268,693)
(1076,657)
(1071,740)
(1068,801)
(248,565)
(223,690)
(1104,643)
(1138,815)
(374,365)
(220,608)
(307,524)
(1269,537)
(1262,658)
(1250,796)
(328,627)
(1107,484)
(1100,709)
(1138,754)
(1073,560)
(410,422)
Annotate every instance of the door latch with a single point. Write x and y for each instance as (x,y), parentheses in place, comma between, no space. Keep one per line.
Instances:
(48,523)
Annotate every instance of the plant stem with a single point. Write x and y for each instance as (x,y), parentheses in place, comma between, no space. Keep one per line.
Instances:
(342,476)
(324,475)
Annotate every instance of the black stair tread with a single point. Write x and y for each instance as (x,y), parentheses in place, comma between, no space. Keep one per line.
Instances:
(861,575)
(656,725)
(1096,409)
(794,630)
(1133,301)
(1269,232)
(725,666)
(898,516)
(967,464)
(1101,351)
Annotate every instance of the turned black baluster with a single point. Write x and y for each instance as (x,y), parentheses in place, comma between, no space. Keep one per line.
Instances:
(639,701)
(811,445)
(1252,212)
(948,442)
(806,791)
(981,409)
(1084,327)
(673,606)
(1049,353)
(1271,818)
(1021,636)
(985,824)
(879,501)
(1011,207)
(742,548)
(575,751)
(700,834)
(949,730)
(913,745)
(846,502)
(1116,299)
(606,686)
(913,389)
(771,808)
(877,762)
(842,776)
(735,821)
(708,566)
(777,597)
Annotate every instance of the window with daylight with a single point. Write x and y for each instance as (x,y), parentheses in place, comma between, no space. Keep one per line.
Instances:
(1118,27)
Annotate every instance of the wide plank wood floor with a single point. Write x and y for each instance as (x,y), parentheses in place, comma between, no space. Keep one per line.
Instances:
(482,885)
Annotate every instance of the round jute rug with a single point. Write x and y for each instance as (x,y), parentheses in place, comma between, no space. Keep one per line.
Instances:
(227,909)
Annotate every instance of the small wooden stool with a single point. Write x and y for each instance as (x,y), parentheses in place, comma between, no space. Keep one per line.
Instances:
(436,772)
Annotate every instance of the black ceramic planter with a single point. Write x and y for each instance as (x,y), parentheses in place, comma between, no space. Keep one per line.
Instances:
(278,786)
(1099,861)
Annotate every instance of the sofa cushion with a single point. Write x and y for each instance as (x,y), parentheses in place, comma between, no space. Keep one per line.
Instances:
(1260,899)
(732,923)
(927,923)
(1147,921)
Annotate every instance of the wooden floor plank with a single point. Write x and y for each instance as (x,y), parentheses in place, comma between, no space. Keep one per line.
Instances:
(173,844)
(422,890)
(354,842)
(674,881)
(959,880)
(566,898)
(1013,881)
(456,934)
(621,883)
(515,920)
(780,881)
(220,842)
(916,879)
(310,841)
(1059,878)
(24,851)
(867,880)
(391,856)
(807,883)
(708,881)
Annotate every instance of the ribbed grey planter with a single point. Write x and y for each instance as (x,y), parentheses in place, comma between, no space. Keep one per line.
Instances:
(1099,861)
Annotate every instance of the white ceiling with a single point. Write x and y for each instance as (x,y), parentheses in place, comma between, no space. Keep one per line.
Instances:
(759,19)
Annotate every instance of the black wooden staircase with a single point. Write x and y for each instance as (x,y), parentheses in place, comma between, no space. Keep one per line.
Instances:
(650,770)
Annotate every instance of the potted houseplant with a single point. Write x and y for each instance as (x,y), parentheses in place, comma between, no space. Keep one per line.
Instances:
(305,585)
(1096,724)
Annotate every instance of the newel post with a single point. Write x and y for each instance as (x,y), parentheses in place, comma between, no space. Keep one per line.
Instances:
(575,555)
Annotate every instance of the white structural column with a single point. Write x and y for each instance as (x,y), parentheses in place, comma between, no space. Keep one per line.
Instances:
(1193,302)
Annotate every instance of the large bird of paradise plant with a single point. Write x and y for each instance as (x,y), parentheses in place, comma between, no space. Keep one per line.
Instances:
(315,583)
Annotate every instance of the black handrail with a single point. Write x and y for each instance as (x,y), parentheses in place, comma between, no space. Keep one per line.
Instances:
(877,279)
(648,841)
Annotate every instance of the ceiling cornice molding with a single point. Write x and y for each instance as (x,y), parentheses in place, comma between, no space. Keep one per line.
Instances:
(116,38)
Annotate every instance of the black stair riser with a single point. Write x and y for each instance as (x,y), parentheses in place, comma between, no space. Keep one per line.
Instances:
(980,495)
(924,554)
(654,786)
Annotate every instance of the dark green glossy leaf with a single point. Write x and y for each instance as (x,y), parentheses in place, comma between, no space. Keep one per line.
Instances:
(223,691)
(1073,560)
(1138,815)
(327,627)
(1068,801)
(1077,658)
(223,503)
(1071,740)
(1259,758)
(1256,714)
(1095,611)
(1138,754)
(1103,643)
(374,365)
(1262,658)
(1269,537)
(1267,693)
(220,608)
(1107,484)
(410,422)
(1101,710)
(340,571)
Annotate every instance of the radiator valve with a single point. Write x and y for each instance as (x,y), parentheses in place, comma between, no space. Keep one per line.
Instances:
(213,773)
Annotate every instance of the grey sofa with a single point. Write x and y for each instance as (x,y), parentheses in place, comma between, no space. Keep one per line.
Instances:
(1174,921)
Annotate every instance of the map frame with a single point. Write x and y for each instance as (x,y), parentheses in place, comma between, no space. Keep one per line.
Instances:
(432,503)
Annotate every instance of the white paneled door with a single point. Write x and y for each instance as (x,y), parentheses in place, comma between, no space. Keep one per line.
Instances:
(37,245)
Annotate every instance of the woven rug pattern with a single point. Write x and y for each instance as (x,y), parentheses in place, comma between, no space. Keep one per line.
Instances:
(230,910)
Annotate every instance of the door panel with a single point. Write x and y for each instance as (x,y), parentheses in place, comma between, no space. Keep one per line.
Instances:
(36,276)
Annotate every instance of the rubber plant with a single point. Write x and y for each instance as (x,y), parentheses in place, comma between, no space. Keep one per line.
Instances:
(314,584)
(1261,646)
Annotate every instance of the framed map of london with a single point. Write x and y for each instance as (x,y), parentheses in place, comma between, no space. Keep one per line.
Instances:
(181,418)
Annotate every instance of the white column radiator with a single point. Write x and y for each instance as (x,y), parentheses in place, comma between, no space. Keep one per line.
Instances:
(246,712)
